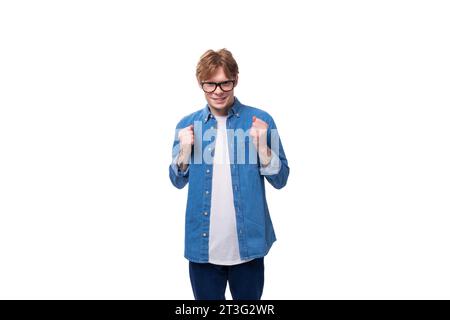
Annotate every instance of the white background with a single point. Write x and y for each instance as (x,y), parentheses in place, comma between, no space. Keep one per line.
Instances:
(91,91)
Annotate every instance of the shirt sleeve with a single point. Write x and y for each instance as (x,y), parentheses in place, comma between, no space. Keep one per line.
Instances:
(277,179)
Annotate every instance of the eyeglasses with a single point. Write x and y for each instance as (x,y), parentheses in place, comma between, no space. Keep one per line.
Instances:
(210,87)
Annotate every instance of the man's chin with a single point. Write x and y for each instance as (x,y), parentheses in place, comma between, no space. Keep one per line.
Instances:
(220,106)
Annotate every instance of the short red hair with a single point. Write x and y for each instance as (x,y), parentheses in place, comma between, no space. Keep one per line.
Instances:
(211,60)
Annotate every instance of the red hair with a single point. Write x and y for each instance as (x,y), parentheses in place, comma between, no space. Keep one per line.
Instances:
(211,60)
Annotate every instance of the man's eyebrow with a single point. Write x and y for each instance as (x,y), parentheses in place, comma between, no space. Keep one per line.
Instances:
(216,81)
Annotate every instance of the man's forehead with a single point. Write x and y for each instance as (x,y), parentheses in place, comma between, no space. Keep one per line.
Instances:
(217,75)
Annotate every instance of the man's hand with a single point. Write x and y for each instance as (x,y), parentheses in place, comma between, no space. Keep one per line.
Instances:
(258,133)
(186,137)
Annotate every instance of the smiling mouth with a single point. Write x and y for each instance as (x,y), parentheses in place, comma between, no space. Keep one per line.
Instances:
(219,99)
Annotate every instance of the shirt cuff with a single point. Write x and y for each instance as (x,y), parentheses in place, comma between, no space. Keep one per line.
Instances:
(272,168)
(177,169)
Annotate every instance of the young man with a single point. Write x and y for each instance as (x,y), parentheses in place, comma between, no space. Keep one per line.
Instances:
(225,150)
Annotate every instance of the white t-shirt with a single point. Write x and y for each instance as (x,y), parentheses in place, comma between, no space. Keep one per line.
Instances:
(223,240)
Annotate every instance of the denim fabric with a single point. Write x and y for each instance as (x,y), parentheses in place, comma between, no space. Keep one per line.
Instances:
(209,281)
(254,226)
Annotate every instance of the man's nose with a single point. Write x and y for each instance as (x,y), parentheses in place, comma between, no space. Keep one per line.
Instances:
(218,90)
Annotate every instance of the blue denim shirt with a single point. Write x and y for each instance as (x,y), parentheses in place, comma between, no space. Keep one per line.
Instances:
(254,226)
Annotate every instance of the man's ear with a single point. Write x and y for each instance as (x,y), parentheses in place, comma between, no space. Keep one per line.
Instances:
(235,84)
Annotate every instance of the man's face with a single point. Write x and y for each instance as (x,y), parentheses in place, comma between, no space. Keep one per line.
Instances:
(220,101)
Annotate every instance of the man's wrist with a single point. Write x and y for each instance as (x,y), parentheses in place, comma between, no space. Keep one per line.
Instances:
(183,160)
(265,156)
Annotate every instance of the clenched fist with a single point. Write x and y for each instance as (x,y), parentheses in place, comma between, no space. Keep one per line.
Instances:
(186,137)
(258,133)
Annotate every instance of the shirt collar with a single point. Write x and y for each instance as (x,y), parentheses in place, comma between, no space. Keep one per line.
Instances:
(234,110)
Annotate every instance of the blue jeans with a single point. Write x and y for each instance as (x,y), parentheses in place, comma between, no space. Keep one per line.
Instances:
(209,281)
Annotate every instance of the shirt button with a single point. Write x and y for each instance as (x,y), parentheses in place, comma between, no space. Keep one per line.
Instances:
(207,192)
(207,170)
(209,149)
(205,213)
(204,234)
